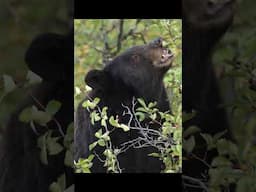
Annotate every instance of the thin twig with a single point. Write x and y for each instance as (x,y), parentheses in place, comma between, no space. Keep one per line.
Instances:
(55,120)
(197,181)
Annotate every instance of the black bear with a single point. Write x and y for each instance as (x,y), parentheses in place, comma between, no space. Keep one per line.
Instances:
(136,73)
(51,57)
(204,23)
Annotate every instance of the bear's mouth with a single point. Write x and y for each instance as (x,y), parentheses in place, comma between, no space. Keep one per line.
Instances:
(166,55)
(166,58)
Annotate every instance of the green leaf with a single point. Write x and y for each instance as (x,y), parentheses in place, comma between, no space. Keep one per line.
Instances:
(89,104)
(191,130)
(40,117)
(70,129)
(55,187)
(140,115)
(68,161)
(26,115)
(98,134)
(113,122)
(170,171)
(94,116)
(58,186)
(103,123)
(77,90)
(141,109)
(9,84)
(152,104)
(104,112)
(219,135)
(125,127)
(225,147)
(154,155)
(108,153)
(105,136)
(189,144)
(187,116)
(93,145)
(53,147)
(167,128)
(153,116)
(96,101)
(221,162)
(90,158)
(87,88)
(247,184)
(101,143)
(52,107)
(215,177)
(177,134)
(142,102)
(33,78)
(69,137)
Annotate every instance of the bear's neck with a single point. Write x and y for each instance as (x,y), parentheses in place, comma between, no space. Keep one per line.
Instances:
(123,93)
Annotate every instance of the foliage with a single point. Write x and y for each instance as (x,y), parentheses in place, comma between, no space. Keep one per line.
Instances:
(20,23)
(236,55)
(37,119)
(233,169)
(98,42)
(167,139)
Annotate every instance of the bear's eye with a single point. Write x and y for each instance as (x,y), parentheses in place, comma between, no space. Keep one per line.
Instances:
(159,42)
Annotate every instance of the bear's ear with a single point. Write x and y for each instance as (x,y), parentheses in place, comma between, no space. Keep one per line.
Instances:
(97,79)
(50,56)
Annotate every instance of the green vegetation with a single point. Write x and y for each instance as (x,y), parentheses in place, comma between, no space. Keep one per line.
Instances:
(234,169)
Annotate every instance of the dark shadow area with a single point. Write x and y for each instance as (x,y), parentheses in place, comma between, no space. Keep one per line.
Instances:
(36,96)
(218,96)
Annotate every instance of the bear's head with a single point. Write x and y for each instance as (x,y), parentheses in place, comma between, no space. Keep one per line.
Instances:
(208,14)
(140,68)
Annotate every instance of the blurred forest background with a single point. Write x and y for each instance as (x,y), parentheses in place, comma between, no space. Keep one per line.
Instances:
(235,61)
(234,169)
(20,22)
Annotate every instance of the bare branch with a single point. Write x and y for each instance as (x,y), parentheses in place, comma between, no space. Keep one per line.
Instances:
(54,119)
(201,160)
(120,35)
(147,137)
(101,160)
(196,181)
(131,31)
